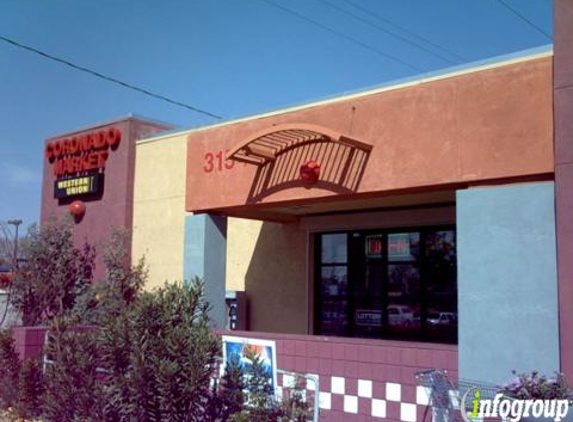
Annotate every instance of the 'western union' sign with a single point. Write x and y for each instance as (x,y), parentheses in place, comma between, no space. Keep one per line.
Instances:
(83,185)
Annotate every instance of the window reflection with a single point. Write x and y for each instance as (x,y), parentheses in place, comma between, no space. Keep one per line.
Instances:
(334,248)
(334,281)
(403,246)
(388,284)
(441,285)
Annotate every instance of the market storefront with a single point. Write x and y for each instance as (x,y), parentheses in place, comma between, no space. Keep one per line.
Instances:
(376,234)
(418,225)
(370,236)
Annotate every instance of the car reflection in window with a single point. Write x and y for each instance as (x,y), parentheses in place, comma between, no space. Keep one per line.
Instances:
(442,319)
(401,316)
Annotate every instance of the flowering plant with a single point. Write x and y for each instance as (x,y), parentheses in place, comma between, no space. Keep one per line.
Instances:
(536,386)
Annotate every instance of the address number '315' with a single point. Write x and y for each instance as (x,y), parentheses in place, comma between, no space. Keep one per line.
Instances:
(217,161)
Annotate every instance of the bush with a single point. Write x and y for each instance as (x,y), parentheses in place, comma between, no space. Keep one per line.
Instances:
(21,384)
(123,283)
(9,370)
(537,386)
(72,389)
(159,357)
(31,390)
(247,395)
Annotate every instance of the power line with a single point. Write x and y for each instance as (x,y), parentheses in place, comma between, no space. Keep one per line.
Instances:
(523,18)
(401,28)
(109,78)
(345,36)
(384,30)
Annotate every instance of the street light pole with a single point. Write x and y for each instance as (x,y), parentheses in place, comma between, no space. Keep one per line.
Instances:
(15,223)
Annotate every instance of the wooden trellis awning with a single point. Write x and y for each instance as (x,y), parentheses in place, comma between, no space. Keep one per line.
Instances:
(266,145)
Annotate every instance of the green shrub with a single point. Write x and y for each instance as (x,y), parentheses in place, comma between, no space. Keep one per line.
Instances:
(248,396)
(123,282)
(73,391)
(31,390)
(159,357)
(9,370)
(53,274)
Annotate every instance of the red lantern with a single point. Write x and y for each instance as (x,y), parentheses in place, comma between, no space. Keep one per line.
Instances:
(309,172)
(77,209)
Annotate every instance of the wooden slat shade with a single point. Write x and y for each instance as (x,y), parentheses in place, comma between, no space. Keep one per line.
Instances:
(266,145)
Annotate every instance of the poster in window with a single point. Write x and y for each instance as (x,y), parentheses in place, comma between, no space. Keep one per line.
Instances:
(368,317)
(403,246)
(374,246)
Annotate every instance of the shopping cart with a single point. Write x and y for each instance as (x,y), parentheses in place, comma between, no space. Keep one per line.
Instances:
(449,398)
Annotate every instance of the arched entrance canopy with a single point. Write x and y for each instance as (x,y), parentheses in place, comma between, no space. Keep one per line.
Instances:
(266,145)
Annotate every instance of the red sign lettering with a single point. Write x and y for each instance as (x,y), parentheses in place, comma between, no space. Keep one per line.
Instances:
(82,153)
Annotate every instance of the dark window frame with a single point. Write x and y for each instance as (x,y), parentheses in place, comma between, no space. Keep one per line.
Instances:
(353,269)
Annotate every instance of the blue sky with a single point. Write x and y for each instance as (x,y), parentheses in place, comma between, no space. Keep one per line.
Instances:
(229,57)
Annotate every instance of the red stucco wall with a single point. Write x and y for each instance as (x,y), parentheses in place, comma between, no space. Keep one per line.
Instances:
(485,125)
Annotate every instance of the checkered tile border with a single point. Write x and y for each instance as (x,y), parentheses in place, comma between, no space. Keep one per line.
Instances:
(358,396)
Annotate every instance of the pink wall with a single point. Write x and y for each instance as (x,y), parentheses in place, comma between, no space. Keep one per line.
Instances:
(29,341)
(388,366)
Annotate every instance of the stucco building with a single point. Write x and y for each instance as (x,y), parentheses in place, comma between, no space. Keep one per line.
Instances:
(424,224)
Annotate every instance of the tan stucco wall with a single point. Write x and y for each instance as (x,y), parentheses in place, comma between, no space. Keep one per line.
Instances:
(242,237)
(268,261)
(159,207)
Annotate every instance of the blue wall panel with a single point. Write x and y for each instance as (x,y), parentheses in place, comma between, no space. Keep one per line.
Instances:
(205,254)
(507,281)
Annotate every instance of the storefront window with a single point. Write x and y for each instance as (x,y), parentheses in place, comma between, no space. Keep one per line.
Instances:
(334,284)
(388,284)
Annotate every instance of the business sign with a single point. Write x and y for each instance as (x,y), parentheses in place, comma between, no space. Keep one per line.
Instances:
(368,317)
(399,247)
(78,161)
(374,246)
(82,153)
(76,186)
(243,351)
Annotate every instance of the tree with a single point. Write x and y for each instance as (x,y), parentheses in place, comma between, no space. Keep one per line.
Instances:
(120,288)
(53,275)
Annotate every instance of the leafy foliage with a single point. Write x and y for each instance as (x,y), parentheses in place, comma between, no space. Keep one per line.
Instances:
(261,403)
(120,289)
(249,396)
(227,394)
(54,274)
(21,384)
(31,389)
(159,357)
(537,386)
(72,389)
(294,406)
(9,370)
